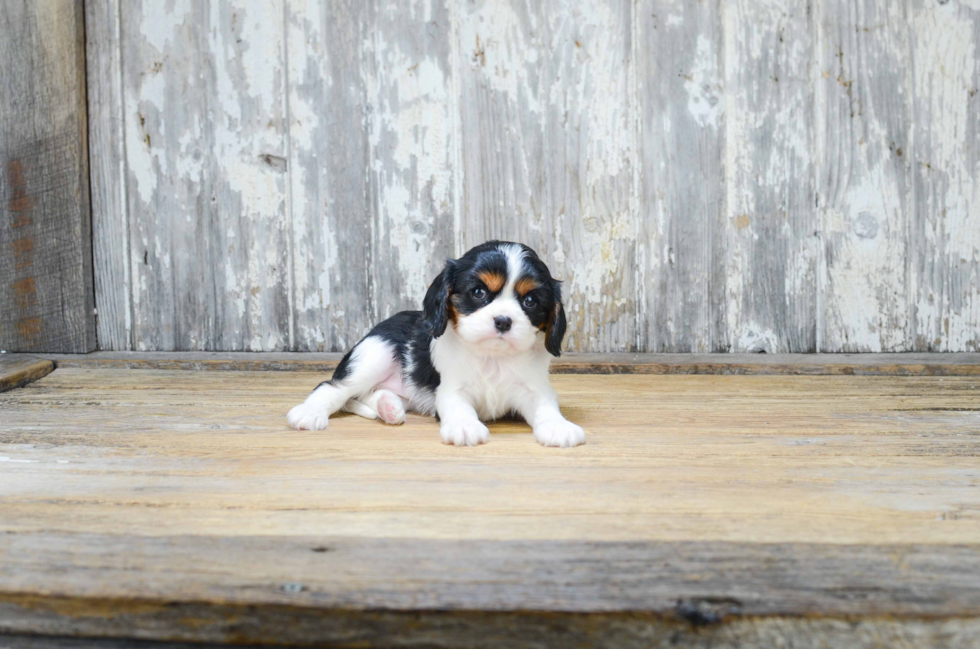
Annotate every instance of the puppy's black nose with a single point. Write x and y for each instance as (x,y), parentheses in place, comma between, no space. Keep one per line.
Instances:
(502,323)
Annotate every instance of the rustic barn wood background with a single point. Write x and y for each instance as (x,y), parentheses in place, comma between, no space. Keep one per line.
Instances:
(46,292)
(738,175)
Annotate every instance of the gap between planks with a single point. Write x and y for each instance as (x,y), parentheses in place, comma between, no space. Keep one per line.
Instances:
(885,364)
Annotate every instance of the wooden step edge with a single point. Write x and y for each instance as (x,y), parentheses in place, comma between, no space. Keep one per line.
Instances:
(229,623)
(887,364)
(17,370)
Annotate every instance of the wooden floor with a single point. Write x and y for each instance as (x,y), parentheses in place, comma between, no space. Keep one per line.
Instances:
(177,505)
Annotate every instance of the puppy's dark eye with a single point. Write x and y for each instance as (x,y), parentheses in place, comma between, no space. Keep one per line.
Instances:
(528,302)
(479,293)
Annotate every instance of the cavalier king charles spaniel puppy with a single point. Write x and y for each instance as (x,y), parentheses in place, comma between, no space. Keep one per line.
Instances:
(479,350)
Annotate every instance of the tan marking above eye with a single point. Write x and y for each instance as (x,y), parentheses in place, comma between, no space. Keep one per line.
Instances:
(493,281)
(525,285)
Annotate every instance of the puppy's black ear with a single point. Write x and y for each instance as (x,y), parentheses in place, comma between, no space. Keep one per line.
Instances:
(555,331)
(435,306)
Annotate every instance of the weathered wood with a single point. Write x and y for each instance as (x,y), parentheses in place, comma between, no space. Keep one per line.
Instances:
(350,592)
(346,629)
(681,247)
(770,221)
(944,243)
(329,573)
(17,370)
(548,152)
(204,93)
(62,642)
(46,293)
(112,257)
(373,141)
(329,163)
(413,140)
(703,511)
(967,364)
(822,459)
(864,154)
(706,177)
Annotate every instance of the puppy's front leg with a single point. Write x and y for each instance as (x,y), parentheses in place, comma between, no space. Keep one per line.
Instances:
(460,423)
(549,425)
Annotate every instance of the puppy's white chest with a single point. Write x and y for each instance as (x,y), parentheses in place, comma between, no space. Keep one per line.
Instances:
(494,388)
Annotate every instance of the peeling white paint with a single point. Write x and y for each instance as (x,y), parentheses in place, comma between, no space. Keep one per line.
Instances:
(771,265)
(160,21)
(412,141)
(705,100)
(946,82)
(863,91)
(754,338)
(234,112)
(494,42)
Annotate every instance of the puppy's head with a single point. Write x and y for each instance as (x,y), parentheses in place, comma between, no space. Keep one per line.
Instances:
(499,297)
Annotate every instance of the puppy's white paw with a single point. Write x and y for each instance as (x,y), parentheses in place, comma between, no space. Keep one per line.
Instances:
(391,409)
(464,433)
(559,432)
(307,417)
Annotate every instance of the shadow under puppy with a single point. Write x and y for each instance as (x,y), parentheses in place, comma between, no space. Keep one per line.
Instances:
(479,350)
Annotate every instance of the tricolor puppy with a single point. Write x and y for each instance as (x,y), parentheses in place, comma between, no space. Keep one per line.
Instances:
(479,350)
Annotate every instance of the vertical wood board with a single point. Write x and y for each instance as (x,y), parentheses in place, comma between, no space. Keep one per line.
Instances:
(864,153)
(711,176)
(107,154)
(46,292)
(681,246)
(204,90)
(944,237)
(771,225)
(548,150)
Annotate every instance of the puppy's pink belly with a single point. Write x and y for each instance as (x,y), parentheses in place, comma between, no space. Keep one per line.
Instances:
(394,383)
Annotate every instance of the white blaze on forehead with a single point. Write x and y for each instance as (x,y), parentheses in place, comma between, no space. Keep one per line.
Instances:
(515,263)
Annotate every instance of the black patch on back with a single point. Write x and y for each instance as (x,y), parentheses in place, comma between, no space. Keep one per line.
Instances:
(406,332)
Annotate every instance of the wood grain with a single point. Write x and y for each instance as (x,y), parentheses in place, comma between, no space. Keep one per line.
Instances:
(706,177)
(63,642)
(351,592)
(46,293)
(967,364)
(681,246)
(771,250)
(412,136)
(824,459)
(111,250)
(864,170)
(371,92)
(548,155)
(329,166)
(17,370)
(707,510)
(204,101)
(945,233)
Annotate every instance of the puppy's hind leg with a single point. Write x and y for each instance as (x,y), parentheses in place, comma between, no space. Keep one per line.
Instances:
(370,362)
(360,408)
(390,407)
(380,404)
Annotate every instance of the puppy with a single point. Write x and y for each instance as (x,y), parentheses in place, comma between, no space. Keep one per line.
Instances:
(479,350)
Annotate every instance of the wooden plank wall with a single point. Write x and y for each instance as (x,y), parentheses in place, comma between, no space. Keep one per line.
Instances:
(47,299)
(777,175)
